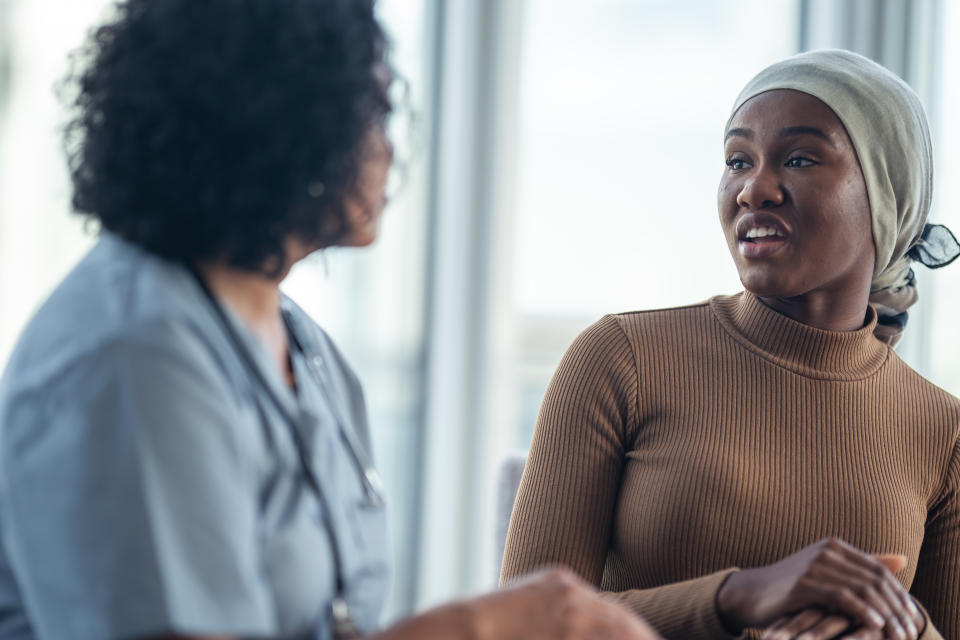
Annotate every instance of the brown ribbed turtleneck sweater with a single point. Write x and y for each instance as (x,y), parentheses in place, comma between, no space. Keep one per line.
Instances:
(674,445)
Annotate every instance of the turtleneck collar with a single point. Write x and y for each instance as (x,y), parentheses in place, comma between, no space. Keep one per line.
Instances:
(808,351)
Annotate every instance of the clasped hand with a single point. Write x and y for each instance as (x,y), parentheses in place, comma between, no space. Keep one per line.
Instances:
(826,590)
(554,604)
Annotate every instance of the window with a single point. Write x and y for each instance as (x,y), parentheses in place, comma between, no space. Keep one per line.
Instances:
(622,108)
(39,240)
(941,340)
(371,302)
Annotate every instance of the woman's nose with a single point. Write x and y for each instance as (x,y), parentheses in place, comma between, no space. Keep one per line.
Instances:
(761,189)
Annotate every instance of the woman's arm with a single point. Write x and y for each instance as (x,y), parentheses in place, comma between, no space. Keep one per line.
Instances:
(549,605)
(566,503)
(937,582)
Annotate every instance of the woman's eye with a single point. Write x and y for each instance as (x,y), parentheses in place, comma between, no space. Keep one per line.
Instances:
(798,163)
(737,164)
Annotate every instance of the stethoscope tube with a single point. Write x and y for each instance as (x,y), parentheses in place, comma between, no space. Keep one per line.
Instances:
(344,626)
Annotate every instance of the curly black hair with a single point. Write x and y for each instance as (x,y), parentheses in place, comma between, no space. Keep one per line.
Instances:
(216,129)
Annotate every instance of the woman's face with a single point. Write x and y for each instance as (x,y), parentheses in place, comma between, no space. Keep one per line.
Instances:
(365,207)
(792,200)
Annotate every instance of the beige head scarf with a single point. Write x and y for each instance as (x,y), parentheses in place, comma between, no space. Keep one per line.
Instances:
(888,128)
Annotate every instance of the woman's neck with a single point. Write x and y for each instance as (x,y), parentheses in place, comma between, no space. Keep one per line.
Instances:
(255,298)
(823,310)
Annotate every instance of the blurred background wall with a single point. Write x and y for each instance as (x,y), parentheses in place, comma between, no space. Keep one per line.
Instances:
(561,162)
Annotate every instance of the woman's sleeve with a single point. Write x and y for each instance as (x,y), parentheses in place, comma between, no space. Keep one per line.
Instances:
(566,504)
(937,585)
(128,507)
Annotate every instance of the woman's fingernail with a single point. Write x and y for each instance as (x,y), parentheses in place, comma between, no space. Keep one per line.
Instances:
(875,618)
(912,629)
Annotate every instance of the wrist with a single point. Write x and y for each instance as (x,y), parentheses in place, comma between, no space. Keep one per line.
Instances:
(729,603)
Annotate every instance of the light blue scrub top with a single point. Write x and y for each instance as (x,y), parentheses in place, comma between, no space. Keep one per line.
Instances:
(149,486)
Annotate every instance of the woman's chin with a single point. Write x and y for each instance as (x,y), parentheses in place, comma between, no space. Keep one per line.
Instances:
(363,234)
(768,287)
(361,240)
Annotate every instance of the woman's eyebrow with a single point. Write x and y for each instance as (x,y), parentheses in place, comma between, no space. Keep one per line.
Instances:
(738,131)
(801,130)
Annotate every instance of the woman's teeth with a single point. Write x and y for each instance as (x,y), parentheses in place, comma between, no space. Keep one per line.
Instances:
(763,232)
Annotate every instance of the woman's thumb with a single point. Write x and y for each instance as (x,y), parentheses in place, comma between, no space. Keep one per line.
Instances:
(892,561)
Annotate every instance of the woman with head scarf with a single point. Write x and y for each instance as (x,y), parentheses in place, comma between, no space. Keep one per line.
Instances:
(766,460)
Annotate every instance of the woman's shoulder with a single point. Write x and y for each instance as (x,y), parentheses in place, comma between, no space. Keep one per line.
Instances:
(634,335)
(924,394)
(116,295)
(640,326)
(663,316)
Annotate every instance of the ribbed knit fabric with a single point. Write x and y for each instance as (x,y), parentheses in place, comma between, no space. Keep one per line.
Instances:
(675,445)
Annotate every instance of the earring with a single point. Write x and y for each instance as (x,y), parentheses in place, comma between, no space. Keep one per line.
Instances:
(315,189)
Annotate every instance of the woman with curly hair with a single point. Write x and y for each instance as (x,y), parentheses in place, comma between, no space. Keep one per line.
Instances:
(183,452)
(766,460)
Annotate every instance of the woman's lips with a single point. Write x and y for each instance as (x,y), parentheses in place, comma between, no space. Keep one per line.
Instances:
(761,247)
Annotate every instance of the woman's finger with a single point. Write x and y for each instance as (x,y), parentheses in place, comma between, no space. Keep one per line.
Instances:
(829,627)
(876,591)
(910,616)
(770,633)
(773,631)
(907,611)
(907,618)
(845,600)
(864,634)
(789,627)
(862,582)
(894,562)
(876,572)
